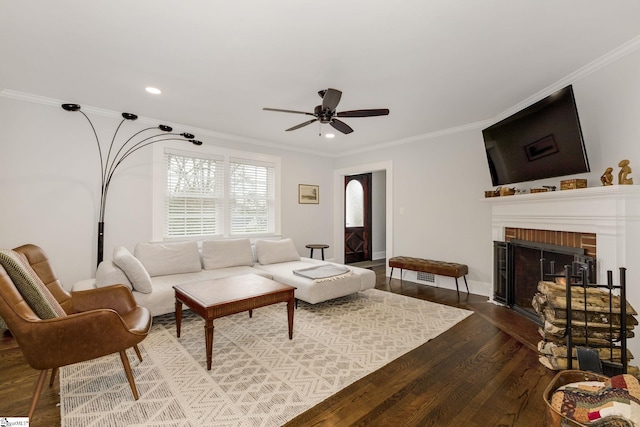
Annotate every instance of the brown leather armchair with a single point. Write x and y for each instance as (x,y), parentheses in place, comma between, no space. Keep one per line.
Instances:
(98,322)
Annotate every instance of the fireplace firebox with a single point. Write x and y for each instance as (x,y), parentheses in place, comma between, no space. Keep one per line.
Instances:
(519,265)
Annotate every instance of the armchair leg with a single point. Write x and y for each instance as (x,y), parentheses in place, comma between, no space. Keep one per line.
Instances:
(36,394)
(135,347)
(127,370)
(54,371)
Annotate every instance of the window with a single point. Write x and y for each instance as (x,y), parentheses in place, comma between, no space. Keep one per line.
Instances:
(354,205)
(251,197)
(194,204)
(214,192)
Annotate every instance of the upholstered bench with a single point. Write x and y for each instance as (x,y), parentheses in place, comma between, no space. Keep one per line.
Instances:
(441,268)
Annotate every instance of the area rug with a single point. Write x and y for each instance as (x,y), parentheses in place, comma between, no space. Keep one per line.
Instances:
(258,377)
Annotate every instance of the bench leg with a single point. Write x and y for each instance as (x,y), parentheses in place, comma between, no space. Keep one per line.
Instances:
(465,283)
(391,276)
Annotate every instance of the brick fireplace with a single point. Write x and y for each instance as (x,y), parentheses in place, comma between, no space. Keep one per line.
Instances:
(604,221)
(586,241)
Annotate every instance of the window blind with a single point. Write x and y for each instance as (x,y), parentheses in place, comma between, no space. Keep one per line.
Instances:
(251,196)
(194,199)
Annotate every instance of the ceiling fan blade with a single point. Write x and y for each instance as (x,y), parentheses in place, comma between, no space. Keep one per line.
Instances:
(331,99)
(287,111)
(364,113)
(302,125)
(340,126)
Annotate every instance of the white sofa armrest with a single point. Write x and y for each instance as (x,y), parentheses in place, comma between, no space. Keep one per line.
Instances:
(84,285)
(110,274)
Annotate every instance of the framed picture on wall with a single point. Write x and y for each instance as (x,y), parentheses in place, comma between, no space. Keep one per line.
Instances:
(308,194)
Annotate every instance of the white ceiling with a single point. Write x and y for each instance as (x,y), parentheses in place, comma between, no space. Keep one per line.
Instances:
(436,64)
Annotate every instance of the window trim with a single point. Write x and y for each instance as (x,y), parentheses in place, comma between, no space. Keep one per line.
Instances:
(159,182)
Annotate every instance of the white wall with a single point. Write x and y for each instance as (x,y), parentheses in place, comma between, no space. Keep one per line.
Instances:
(50,184)
(378,214)
(439,182)
(437,212)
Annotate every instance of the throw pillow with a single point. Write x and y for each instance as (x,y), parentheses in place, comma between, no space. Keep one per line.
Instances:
(275,251)
(109,274)
(28,283)
(226,253)
(171,258)
(135,271)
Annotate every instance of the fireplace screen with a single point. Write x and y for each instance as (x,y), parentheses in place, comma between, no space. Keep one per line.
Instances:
(529,262)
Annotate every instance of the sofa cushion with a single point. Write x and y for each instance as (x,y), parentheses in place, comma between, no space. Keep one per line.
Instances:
(170,258)
(312,291)
(30,286)
(226,253)
(133,268)
(276,251)
(109,274)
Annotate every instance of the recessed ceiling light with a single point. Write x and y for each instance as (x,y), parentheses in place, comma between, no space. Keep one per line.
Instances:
(153,90)
(329,135)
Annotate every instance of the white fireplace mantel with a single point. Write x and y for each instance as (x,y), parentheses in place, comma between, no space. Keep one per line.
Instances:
(612,213)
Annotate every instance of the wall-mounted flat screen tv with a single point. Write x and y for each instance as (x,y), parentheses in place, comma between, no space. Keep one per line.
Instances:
(543,140)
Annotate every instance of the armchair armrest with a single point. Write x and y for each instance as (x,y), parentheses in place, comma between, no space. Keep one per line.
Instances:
(115,297)
(77,337)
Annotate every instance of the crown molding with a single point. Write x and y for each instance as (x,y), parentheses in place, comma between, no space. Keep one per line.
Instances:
(56,103)
(606,59)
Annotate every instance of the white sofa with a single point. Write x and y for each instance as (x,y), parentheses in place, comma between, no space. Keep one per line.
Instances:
(153,269)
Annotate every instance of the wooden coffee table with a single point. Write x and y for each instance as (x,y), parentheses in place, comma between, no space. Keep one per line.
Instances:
(221,297)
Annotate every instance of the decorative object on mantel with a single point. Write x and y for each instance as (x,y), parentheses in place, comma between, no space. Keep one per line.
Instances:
(572,184)
(492,193)
(538,190)
(607,177)
(550,187)
(624,172)
(506,191)
(109,164)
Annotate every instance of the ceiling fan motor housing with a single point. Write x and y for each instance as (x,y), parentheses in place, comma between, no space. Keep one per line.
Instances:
(323,115)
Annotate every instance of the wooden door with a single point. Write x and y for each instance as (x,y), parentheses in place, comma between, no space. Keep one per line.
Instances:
(357,230)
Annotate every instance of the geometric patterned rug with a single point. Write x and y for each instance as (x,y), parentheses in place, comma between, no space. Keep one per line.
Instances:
(258,376)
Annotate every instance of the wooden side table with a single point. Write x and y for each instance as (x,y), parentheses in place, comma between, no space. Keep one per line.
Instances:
(313,246)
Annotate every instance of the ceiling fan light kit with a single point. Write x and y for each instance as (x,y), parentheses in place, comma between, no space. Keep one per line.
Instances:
(326,112)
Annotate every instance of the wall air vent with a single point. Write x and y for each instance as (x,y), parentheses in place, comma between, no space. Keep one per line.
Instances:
(426,277)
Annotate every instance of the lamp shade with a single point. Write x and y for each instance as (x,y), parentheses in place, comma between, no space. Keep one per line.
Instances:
(71,107)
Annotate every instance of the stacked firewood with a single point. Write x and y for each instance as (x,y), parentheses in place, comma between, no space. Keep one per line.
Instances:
(602,319)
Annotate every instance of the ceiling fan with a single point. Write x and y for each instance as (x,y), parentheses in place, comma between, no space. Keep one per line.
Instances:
(326,112)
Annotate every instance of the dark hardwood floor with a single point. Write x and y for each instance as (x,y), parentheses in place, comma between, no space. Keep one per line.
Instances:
(474,374)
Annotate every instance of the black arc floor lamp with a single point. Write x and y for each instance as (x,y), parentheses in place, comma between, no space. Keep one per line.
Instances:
(110,163)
